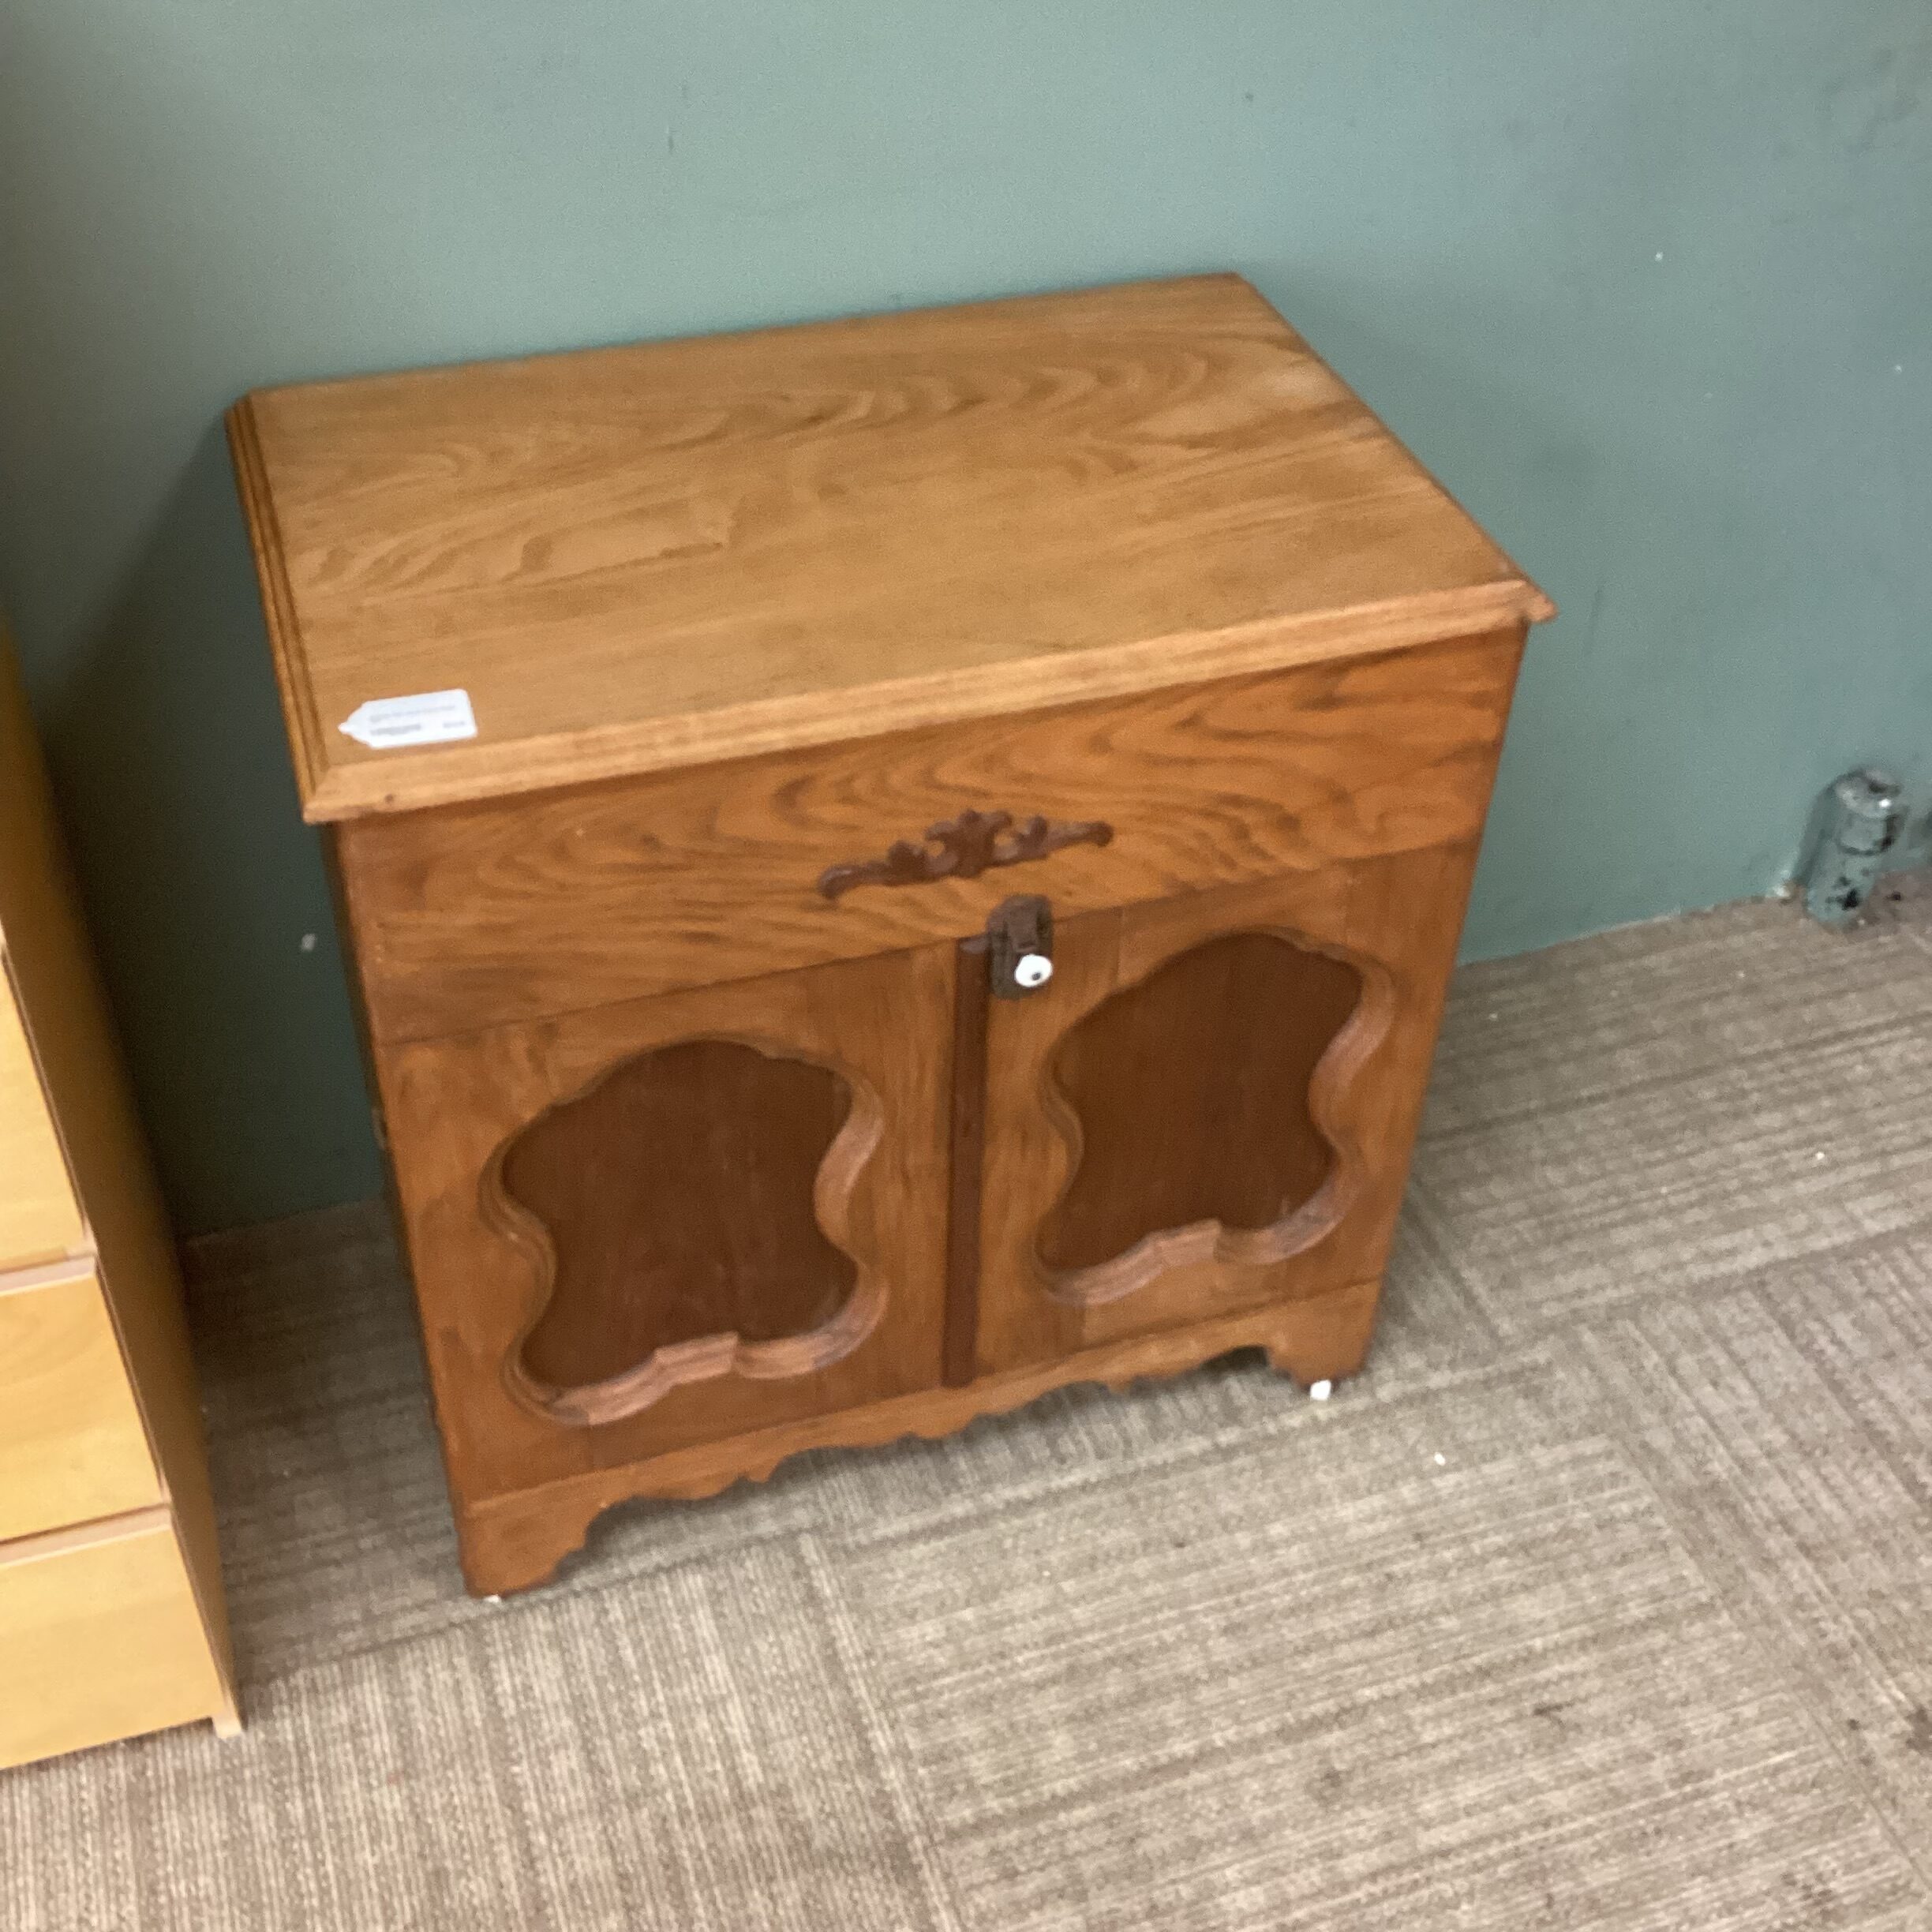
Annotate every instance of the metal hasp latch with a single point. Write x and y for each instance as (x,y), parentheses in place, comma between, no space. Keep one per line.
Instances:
(1019,946)
(1856,823)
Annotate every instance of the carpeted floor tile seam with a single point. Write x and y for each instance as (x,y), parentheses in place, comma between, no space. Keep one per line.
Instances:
(1050,1483)
(1045,1482)
(1723,1336)
(327,1893)
(1581,1098)
(1746,1623)
(1429,1220)
(1737,1482)
(1589,1188)
(1520,1356)
(1765,1275)
(469,1613)
(1174,1454)
(1184,1763)
(704,1861)
(1177,1454)
(1570,1833)
(1583,1454)
(1428,1212)
(583,1578)
(524,1767)
(738,1861)
(1875,1799)
(525,1823)
(1758,1278)
(897,1771)
(1743,1490)
(1426,1233)
(1776,1312)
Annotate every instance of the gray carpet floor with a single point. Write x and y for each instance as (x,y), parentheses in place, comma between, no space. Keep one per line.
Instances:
(1602,1599)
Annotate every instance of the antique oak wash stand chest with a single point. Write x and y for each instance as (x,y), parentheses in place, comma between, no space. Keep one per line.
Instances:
(890,865)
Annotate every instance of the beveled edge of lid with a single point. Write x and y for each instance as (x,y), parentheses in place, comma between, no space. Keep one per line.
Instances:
(457,773)
(278,606)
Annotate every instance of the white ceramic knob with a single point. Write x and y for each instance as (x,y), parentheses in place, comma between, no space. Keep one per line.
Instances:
(1031,970)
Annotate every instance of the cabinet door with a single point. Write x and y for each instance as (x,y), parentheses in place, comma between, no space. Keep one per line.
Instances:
(679,1219)
(1210,1105)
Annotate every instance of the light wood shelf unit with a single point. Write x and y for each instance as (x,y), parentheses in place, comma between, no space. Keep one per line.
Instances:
(112,1621)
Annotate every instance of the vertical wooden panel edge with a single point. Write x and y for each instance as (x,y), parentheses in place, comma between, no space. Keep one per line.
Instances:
(338,867)
(264,533)
(968,1145)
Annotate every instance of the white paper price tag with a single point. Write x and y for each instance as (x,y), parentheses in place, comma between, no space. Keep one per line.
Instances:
(425,718)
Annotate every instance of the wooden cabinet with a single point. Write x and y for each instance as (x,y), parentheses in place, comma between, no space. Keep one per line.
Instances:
(111,1618)
(890,865)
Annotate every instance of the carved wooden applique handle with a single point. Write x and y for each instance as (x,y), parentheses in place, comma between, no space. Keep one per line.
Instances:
(963,848)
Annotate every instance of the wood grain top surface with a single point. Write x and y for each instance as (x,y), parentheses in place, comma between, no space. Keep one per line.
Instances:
(668,553)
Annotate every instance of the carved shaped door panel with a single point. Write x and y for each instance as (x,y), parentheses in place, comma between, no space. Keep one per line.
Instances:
(1210,1105)
(679,1219)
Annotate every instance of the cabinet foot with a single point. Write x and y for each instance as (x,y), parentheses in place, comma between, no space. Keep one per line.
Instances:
(1326,1338)
(515,1541)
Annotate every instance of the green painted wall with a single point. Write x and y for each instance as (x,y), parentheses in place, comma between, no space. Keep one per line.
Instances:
(1649,283)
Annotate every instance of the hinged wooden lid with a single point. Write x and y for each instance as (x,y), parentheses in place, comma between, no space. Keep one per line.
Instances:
(673,552)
